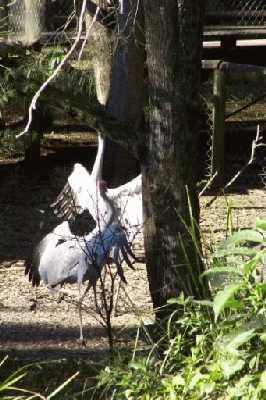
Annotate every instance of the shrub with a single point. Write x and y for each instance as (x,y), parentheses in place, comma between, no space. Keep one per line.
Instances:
(216,349)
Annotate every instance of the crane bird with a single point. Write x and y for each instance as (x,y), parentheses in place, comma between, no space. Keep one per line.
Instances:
(79,195)
(63,257)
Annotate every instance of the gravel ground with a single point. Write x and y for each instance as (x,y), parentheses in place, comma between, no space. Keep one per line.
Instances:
(53,327)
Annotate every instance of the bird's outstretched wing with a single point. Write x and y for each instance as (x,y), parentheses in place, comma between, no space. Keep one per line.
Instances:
(76,196)
(127,200)
(80,192)
(131,188)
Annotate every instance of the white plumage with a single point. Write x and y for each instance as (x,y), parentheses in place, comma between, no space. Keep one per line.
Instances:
(63,257)
(80,194)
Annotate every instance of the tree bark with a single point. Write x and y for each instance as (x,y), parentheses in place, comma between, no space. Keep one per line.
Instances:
(118,63)
(173,37)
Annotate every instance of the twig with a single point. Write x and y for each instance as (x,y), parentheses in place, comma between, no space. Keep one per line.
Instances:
(208,184)
(255,144)
(88,33)
(59,67)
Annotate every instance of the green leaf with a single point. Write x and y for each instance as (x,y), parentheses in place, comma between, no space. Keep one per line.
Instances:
(263,380)
(222,297)
(221,270)
(195,379)
(236,251)
(261,224)
(178,380)
(234,304)
(3,361)
(263,338)
(207,303)
(231,366)
(138,366)
(11,381)
(238,339)
(250,265)
(181,300)
(261,287)
(61,387)
(246,235)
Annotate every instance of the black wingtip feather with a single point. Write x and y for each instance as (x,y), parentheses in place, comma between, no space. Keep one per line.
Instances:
(31,269)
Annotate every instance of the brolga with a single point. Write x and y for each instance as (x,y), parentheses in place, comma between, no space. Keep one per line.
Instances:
(65,256)
(80,194)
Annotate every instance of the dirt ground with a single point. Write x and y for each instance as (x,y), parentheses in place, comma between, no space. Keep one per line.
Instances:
(52,329)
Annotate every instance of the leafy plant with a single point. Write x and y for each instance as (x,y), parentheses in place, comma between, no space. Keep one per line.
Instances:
(10,391)
(213,349)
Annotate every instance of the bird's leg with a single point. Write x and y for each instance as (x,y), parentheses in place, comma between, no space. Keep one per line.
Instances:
(33,306)
(121,277)
(116,296)
(81,337)
(80,301)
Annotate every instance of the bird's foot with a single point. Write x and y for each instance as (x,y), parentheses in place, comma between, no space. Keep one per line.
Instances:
(33,306)
(82,342)
(61,297)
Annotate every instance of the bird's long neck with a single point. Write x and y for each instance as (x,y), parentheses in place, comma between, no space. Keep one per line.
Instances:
(105,212)
(112,209)
(98,163)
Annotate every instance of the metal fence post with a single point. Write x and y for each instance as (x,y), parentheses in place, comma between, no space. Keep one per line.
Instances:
(217,162)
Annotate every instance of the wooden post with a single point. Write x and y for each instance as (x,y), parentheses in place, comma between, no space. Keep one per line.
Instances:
(32,150)
(217,162)
(33,139)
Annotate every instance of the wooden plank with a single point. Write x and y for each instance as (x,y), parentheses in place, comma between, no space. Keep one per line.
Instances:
(216,32)
(236,14)
(210,64)
(214,44)
(251,42)
(217,161)
(232,67)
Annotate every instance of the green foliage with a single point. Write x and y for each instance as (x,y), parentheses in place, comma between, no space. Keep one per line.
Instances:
(10,147)
(72,93)
(20,82)
(11,390)
(211,349)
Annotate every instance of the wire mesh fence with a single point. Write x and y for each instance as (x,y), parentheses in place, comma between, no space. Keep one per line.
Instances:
(237,12)
(245,104)
(25,20)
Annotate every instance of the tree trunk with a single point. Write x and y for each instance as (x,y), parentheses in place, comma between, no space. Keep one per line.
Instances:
(118,63)
(26,21)
(173,37)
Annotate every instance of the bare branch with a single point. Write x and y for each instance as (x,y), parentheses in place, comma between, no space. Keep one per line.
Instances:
(208,184)
(32,106)
(255,144)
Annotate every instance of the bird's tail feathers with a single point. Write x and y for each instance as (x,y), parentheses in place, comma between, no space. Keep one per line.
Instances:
(32,271)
